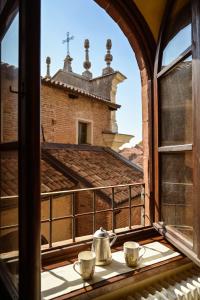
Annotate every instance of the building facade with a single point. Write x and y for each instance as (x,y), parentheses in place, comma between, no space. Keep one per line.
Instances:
(75,109)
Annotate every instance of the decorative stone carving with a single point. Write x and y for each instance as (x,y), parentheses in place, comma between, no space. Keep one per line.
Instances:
(87,63)
(108,58)
(67,64)
(48,62)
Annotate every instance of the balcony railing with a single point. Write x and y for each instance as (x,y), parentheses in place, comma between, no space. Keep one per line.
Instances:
(96,193)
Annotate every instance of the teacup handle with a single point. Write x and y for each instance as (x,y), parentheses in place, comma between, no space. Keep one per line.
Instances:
(114,237)
(143,248)
(74,267)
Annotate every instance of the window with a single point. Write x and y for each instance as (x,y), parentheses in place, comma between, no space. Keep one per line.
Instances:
(84,133)
(177,169)
(175,156)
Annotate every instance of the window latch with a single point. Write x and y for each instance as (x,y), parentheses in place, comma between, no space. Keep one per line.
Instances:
(14,91)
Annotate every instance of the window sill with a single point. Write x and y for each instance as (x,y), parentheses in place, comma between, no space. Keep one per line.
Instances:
(179,241)
(60,251)
(119,281)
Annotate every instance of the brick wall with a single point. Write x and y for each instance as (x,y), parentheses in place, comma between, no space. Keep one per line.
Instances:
(59,115)
(9,104)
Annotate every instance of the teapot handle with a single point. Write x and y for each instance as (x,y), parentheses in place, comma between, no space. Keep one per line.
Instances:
(114,237)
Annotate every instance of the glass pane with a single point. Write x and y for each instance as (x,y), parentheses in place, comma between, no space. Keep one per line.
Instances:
(178,35)
(176,191)
(9,83)
(9,158)
(9,212)
(176,105)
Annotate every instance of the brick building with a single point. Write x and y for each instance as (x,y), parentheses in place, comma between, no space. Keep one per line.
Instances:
(75,109)
(78,135)
(134,154)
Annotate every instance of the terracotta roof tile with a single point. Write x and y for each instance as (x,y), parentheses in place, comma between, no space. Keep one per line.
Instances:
(134,154)
(106,169)
(95,165)
(52,180)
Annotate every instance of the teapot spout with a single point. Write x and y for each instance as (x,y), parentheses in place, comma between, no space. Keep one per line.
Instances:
(92,247)
(114,237)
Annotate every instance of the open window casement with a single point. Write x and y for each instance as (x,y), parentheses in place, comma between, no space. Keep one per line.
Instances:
(176,128)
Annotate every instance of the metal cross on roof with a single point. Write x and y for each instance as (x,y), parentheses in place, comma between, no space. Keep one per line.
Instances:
(67,40)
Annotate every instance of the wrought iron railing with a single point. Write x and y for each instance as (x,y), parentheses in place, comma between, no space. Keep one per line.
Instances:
(53,196)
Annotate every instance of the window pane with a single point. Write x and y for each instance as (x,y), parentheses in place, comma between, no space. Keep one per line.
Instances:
(178,33)
(9,158)
(176,105)
(176,191)
(9,83)
(9,211)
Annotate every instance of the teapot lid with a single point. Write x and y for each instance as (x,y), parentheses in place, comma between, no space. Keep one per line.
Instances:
(101,233)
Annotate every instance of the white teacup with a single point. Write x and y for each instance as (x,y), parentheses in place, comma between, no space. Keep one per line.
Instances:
(132,253)
(86,263)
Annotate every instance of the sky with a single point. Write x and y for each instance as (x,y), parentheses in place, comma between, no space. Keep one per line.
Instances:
(85,19)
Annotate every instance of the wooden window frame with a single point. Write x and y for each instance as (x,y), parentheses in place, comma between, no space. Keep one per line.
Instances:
(191,250)
(7,15)
(28,146)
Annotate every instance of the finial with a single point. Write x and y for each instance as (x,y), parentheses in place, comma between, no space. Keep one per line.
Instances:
(108,58)
(67,62)
(48,62)
(87,63)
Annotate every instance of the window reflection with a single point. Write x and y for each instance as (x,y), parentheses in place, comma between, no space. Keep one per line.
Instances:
(177,45)
(9,158)
(9,80)
(176,105)
(177,191)
(178,34)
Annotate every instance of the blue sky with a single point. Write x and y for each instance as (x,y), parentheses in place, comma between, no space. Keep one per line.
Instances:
(85,19)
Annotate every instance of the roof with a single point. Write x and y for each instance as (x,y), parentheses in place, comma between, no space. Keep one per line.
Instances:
(66,167)
(134,154)
(51,179)
(79,91)
(96,167)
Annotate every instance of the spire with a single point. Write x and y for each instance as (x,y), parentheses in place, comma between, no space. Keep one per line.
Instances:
(48,62)
(108,58)
(87,63)
(67,62)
